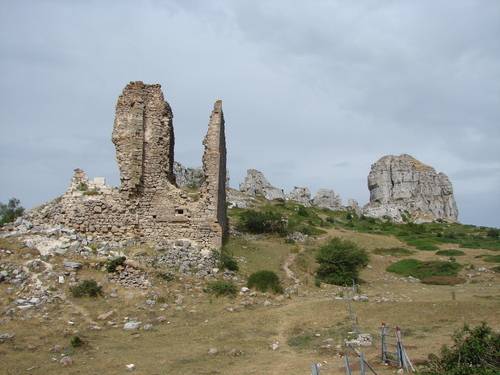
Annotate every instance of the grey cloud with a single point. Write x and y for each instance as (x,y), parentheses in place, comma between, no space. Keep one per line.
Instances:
(313,93)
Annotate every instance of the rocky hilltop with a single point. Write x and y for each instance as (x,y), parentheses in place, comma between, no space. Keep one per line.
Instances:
(256,184)
(402,185)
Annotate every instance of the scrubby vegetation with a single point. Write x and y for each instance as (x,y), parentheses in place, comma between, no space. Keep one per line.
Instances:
(425,270)
(10,211)
(112,264)
(265,281)
(280,218)
(340,262)
(475,351)
(450,253)
(227,260)
(222,288)
(76,341)
(394,251)
(88,288)
(425,236)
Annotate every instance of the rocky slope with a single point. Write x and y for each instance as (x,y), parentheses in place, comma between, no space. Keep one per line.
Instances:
(402,185)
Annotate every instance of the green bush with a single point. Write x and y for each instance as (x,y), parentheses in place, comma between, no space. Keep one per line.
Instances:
(475,351)
(261,222)
(76,342)
(227,261)
(340,262)
(222,288)
(10,211)
(422,270)
(264,281)
(88,288)
(450,253)
(493,233)
(112,264)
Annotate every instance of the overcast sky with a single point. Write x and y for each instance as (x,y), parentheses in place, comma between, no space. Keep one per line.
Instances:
(313,92)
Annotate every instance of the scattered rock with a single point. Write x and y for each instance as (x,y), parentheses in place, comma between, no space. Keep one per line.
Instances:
(275,345)
(132,325)
(213,351)
(66,361)
(106,315)
(130,367)
(72,265)
(6,337)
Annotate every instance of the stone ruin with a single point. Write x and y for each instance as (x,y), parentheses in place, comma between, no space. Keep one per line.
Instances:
(148,207)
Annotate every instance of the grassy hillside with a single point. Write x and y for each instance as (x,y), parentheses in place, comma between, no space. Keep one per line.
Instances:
(306,324)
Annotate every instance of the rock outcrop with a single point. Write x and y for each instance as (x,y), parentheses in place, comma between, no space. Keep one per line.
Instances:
(148,207)
(256,184)
(326,198)
(301,195)
(403,187)
(186,177)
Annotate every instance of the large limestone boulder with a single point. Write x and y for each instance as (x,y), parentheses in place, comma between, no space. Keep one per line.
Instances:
(402,185)
(301,195)
(256,184)
(327,198)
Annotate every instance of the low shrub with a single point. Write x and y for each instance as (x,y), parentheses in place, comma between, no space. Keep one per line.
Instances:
(261,222)
(475,351)
(496,269)
(10,211)
(422,270)
(265,281)
(88,288)
(450,253)
(394,251)
(112,264)
(493,232)
(227,261)
(76,342)
(222,288)
(340,262)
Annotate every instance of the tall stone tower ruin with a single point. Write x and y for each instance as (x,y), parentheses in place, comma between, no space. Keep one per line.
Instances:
(148,206)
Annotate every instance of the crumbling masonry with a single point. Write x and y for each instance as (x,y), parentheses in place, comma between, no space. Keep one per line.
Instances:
(148,207)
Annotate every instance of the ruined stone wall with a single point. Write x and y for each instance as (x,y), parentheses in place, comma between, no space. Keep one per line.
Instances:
(148,206)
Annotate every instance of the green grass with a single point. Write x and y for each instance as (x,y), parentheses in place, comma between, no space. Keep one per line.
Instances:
(450,253)
(490,258)
(394,251)
(265,253)
(422,270)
